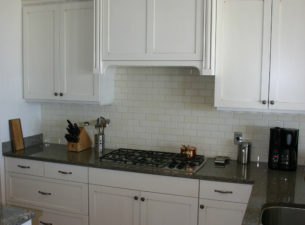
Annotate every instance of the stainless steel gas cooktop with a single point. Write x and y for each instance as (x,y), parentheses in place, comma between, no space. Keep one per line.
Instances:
(155,159)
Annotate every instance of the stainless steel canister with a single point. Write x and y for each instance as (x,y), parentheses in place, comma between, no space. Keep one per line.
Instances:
(244,151)
(99,144)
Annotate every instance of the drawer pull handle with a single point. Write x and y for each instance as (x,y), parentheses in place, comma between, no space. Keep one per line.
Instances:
(44,193)
(64,172)
(23,167)
(223,192)
(44,223)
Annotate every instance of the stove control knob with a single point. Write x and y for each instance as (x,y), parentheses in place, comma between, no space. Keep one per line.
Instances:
(142,199)
(136,197)
(201,206)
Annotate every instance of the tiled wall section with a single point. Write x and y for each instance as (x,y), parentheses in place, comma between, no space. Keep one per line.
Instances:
(162,108)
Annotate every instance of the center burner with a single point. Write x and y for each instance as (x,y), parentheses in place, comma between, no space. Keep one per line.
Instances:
(164,160)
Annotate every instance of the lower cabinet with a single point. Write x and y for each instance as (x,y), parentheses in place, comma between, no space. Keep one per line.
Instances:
(222,203)
(116,206)
(60,201)
(73,195)
(213,212)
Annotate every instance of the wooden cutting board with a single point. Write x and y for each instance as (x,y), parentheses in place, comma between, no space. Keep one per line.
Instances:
(16,134)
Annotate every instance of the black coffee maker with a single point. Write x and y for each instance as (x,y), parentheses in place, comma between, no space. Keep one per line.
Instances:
(283,149)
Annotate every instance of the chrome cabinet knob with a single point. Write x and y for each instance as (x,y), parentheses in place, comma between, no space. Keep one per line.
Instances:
(272,102)
(264,102)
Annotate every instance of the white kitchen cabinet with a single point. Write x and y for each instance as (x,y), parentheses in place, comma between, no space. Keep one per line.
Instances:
(77,80)
(242,53)
(152,29)
(213,212)
(40,56)
(222,203)
(164,209)
(159,33)
(287,55)
(145,199)
(109,205)
(175,29)
(124,29)
(255,69)
(59,54)
(57,192)
(113,206)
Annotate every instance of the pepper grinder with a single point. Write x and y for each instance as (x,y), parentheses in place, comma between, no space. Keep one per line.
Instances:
(99,138)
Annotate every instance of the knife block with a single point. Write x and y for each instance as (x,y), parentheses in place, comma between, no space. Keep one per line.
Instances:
(84,142)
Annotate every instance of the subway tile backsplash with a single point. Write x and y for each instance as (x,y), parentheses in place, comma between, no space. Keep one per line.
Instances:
(163,108)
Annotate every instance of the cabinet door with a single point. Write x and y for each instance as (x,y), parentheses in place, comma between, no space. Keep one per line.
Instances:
(164,209)
(113,206)
(124,29)
(175,29)
(219,212)
(77,81)
(40,51)
(243,52)
(288,55)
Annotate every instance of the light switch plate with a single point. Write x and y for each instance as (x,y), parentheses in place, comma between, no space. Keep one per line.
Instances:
(238,137)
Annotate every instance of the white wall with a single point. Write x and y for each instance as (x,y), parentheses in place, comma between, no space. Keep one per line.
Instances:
(162,108)
(11,103)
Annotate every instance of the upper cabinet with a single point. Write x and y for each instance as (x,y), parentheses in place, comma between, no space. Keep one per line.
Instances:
(243,52)
(254,68)
(287,75)
(58,54)
(152,29)
(158,33)
(40,57)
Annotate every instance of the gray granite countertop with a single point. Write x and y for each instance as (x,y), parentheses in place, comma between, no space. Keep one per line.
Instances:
(14,216)
(269,186)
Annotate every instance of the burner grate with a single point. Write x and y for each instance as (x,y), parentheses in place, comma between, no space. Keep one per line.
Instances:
(165,160)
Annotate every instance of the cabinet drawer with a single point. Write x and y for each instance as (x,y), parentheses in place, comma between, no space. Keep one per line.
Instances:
(62,219)
(24,166)
(47,193)
(66,172)
(223,191)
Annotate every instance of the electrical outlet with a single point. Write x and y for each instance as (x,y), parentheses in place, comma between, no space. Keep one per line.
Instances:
(238,137)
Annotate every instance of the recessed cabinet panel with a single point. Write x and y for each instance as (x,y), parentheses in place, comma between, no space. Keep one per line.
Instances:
(78,81)
(243,47)
(176,28)
(124,28)
(288,55)
(163,209)
(32,191)
(40,29)
(219,212)
(109,206)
